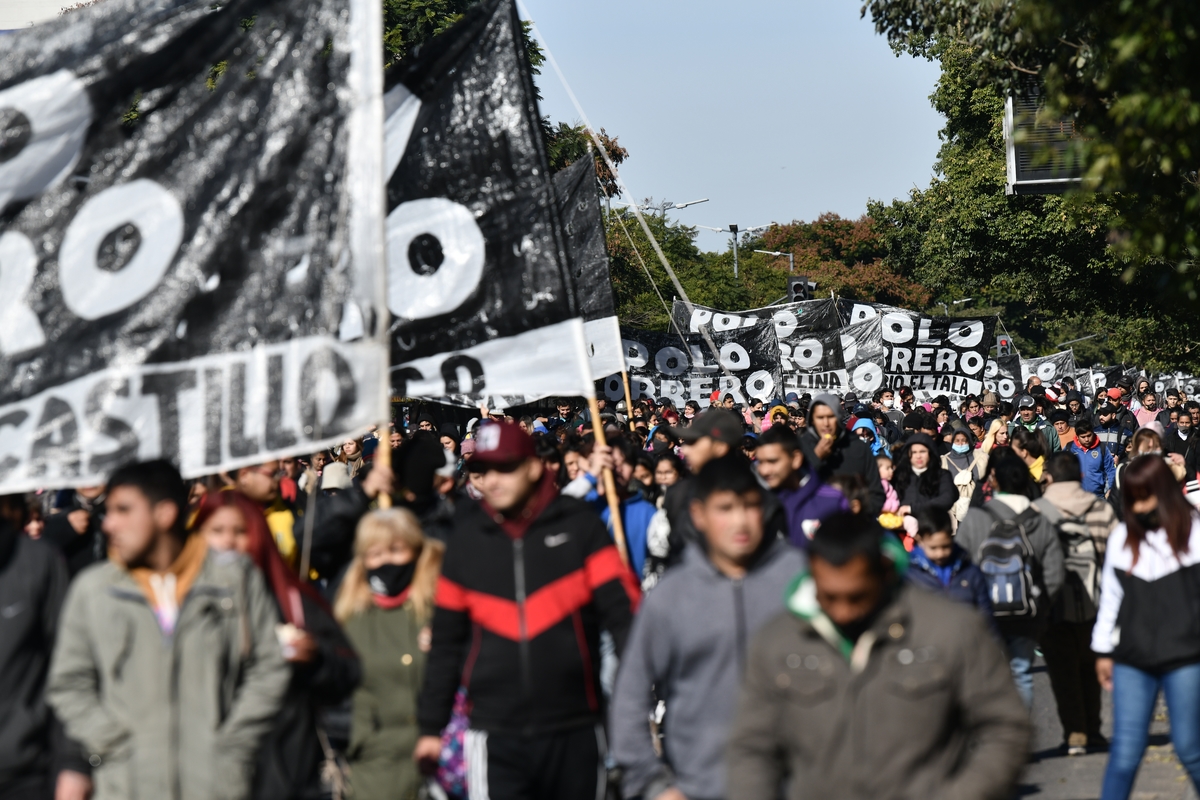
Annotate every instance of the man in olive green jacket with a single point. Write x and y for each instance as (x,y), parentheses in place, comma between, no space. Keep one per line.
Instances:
(867,687)
(167,667)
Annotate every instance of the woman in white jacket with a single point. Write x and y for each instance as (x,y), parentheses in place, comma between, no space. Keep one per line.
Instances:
(1147,630)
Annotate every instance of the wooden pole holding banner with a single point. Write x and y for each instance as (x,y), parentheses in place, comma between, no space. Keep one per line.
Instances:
(383,458)
(610,486)
(628,397)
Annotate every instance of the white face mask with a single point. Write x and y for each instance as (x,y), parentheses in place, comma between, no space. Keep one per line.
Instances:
(888,402)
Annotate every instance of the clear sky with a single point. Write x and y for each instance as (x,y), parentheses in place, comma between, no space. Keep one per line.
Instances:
(774,109)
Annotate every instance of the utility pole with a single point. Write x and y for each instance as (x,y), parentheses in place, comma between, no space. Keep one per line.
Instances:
(734,230)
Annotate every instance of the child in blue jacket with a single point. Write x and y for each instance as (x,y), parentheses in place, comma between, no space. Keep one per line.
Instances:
(940,565)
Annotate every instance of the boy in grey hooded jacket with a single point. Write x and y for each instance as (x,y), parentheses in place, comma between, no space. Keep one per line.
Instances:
(688,642)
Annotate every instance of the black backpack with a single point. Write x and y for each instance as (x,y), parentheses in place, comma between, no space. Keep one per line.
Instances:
(1006,561)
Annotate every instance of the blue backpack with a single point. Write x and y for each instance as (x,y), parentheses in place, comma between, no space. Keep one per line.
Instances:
(1006,561)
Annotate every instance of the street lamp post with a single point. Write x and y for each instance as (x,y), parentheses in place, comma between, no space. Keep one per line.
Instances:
(666,205)
(733,229)
(954,303)
(791,257)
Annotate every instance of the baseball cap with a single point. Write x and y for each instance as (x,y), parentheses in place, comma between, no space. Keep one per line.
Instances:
(851,398)
(1114,393)
(715,423)
(502,443)
(1026,401)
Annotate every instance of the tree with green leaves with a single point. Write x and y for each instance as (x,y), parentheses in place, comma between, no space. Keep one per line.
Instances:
(1045,263)
(1126,71)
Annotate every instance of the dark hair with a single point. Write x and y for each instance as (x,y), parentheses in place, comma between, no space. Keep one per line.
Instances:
(1012,475)
(781,435)
(1031,443)
(933,520)
(675,461)
(1148,476)
(928,483)
(1064,467)
(158,481)
(852,486)
(1084,425)
(729,473)
(627,447)
(844,536)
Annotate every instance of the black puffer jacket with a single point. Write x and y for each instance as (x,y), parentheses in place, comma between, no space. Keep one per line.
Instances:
(518,619)
(33,583)
(289,762)
(849,457)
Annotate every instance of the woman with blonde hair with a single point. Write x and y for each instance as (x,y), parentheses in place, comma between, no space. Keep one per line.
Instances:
(997,436)
(385,604)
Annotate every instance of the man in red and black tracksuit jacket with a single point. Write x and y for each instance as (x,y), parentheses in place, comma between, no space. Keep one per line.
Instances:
(529,580)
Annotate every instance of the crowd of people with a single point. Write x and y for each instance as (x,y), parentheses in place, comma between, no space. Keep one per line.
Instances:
(821,596)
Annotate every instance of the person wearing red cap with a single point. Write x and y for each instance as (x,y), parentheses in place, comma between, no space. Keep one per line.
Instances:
(530,579)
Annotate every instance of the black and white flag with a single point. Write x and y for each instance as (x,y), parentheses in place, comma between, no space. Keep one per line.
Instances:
(664,365)
(579,199)
(1049,369)
(478,277)
(933,355)
(1003,376)
(188,250)
(803,316)
(810,342)
(1107,377)
(853,312)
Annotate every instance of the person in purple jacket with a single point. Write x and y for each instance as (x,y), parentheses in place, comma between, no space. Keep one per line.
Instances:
(939,564)
(805,498)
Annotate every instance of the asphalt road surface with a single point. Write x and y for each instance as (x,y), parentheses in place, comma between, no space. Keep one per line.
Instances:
(1052,776)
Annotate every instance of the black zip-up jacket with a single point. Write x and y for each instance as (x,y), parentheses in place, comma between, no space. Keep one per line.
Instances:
(517,621)
(33,583)
(290,757)
(849,457)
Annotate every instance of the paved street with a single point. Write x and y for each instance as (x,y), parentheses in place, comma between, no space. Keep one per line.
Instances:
(1056,777)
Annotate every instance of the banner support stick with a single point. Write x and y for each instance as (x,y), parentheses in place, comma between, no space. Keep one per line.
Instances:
(383,458)
(610,486)
(628,397)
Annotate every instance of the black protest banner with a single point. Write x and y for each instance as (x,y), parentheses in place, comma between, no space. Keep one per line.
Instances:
(1048,369)
(1003,376)
(803,316)
(181,278)
(810,345)
(935,355)
(852,312)
(1107,377)
(666,365)
(1083,382)
(864,355)
(478,276)
(583,227)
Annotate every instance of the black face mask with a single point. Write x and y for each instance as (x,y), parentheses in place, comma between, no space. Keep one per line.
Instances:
(1148,520)
(391,579)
